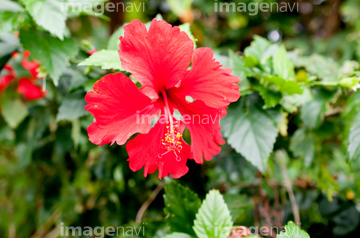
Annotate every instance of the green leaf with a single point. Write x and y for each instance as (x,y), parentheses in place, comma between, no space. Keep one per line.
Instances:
(14,111)
(81,7)
(354,139)
(251,133)
(106,59)
(236,63)
(50,14)
(293,231)
(324,67)
(113,43)
(181,205)
(8,44)
(179,7)
(51,52)
(312,112)
(186,28)
(71,108)
(237,204)
(285,86)
(213,219)
(257,48)
(282,64)
(178,235)
(271,98)
(7,5)
(291,102)
(303,145)
(250,61)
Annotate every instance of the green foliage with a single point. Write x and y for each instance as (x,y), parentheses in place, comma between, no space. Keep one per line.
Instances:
(282,64)
(251,132)
(178,235)
(71,108)
(13,111)
(49,14)
(303,145)
(106,59)
(51,52)
(293,231)
(354,139)
(181,206)
(213,218)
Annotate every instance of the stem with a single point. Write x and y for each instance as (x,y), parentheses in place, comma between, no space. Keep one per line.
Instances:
(289,189)
(148,202)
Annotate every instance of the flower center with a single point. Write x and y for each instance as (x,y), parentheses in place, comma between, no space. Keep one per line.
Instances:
(172,137)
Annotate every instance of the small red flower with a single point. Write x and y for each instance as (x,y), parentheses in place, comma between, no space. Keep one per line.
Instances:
(159,59)
(7,77)
(90,52)
(26,86)
(29,90)
(32,66)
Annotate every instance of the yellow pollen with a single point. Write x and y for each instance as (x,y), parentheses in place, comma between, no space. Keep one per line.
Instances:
(171,141)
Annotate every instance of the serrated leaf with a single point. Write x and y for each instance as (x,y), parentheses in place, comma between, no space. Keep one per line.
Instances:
(324,67)
(303,145)
(181,204)
(282,64)
(236,63)
(14,111)
(271,98)
(50,14)
(53,53)
(285,86)
(71,108)
(85,7)
(178,235)
(257,48)
(312,112)
(250,133)
(354,139)
(293,231)
(213,219)
(291,102)
(106,59)
(186,28)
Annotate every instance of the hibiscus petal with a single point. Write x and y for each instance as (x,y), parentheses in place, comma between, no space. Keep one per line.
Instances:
(147,150)
(203,123)
(29,90)
(4,81)
(31,66)
(157,58)
(120,110)
(207,81)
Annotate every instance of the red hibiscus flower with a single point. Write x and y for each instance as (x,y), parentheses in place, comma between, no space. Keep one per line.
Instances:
(159,59)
